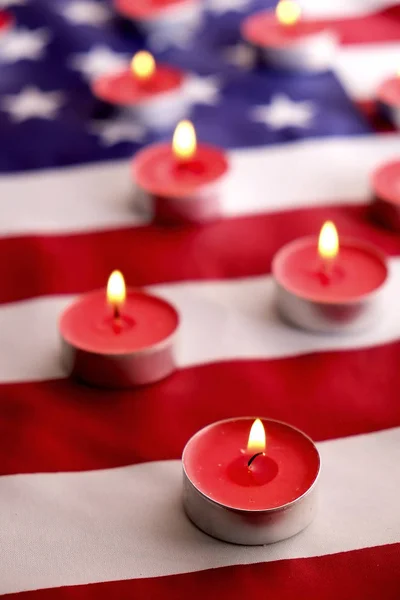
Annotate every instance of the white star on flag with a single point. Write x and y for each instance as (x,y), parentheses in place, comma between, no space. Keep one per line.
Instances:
(99,60)
(284,112)
(86,12)
(222,6)
(203,90)
(121,130)
(24,44)
(32,102)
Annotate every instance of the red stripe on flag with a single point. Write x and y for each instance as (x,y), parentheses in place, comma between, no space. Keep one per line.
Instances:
(61,426)
(39,265)
(371,573)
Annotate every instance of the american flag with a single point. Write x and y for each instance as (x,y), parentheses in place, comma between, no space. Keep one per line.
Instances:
(90,482)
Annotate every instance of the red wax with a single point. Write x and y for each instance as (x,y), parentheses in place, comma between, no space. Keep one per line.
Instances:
(145,321)
(386,182)
(145,9)
(124,88)
(6,20)
(358,270)
(157,170)
(264,29)
(216,462)
(389,91)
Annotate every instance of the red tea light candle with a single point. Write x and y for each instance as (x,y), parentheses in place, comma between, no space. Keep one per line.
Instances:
(154,94)
(167,17)
(250,483)
(388,99)
(181,180)
(386,200)
(118,339)
(326,287)
(6,22)
(285,40)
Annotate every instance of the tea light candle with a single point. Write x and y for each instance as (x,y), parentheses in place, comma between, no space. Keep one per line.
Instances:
(120,338)
(181,181)
(285,40)
(154,94)
(386,188)
(327,288)
(167,17)
(248,482)
(388,100)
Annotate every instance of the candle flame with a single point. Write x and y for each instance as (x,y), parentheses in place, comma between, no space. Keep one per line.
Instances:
(116,291)
(257,442)
(328,241)
(184,142)
(143,65)
(287,12)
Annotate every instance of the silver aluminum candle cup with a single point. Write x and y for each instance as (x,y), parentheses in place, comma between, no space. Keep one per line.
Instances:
(320,317)
(161,111)
(203,205)
(329,317)
(245,527)
(119,371)
(123,369)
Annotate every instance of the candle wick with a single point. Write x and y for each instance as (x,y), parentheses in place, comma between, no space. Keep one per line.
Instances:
(327,265)
(116,312)
(327,269)
(253,458)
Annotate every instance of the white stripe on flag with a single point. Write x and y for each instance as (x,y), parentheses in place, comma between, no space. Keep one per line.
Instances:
(241,315)
(126,523)
(362,68)
(273,178)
